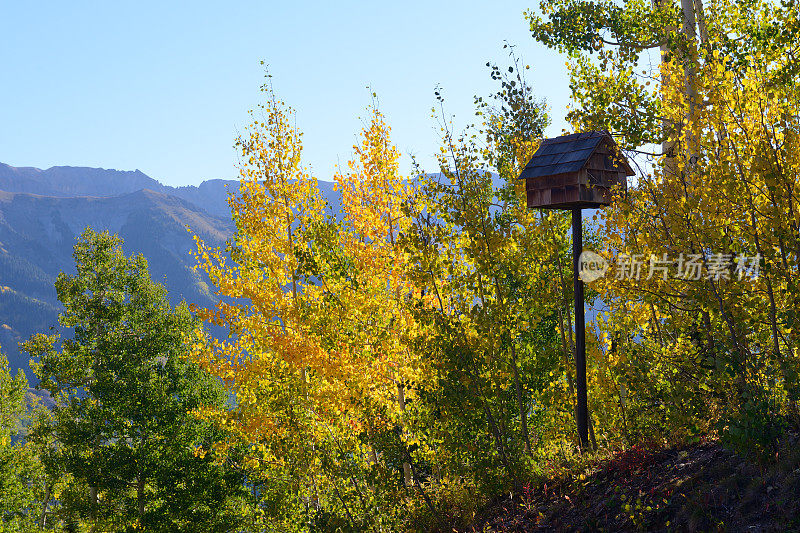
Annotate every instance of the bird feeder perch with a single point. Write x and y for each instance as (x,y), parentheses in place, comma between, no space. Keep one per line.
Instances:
(578,170)
(575,172)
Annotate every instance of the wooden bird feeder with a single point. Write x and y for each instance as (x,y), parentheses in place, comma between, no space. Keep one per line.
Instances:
(578,170)
(575,172)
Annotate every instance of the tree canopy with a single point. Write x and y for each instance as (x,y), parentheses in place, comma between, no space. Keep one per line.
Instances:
(122,429)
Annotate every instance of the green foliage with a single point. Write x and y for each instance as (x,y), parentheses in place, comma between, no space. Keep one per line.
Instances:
(122,429)
(21,473)
(756,426)
(608,42)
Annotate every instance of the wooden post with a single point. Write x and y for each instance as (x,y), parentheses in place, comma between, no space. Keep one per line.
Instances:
(582,410)
(577,171)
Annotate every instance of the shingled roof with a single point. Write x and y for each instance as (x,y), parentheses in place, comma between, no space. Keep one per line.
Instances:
(564,154)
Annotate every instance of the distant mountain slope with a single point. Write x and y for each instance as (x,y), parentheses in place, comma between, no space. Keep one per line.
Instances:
(211,195)
(74,181)
(37,234)
(66,182)
(42,212)
(83,181)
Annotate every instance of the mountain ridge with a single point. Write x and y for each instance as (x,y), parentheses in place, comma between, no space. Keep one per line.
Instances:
(43,212)
(70,181)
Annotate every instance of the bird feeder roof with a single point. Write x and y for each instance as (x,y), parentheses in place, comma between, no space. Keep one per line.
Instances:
(568,153)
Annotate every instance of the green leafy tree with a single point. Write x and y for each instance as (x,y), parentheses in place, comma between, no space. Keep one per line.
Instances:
(21,473)
(122,424)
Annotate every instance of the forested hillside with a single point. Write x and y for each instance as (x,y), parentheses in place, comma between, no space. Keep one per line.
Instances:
(37,234)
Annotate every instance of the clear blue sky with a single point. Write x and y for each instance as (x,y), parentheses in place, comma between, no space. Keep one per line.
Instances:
(164,86)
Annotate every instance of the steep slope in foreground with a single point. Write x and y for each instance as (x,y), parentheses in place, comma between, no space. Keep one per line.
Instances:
(701,487)
(37,234)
